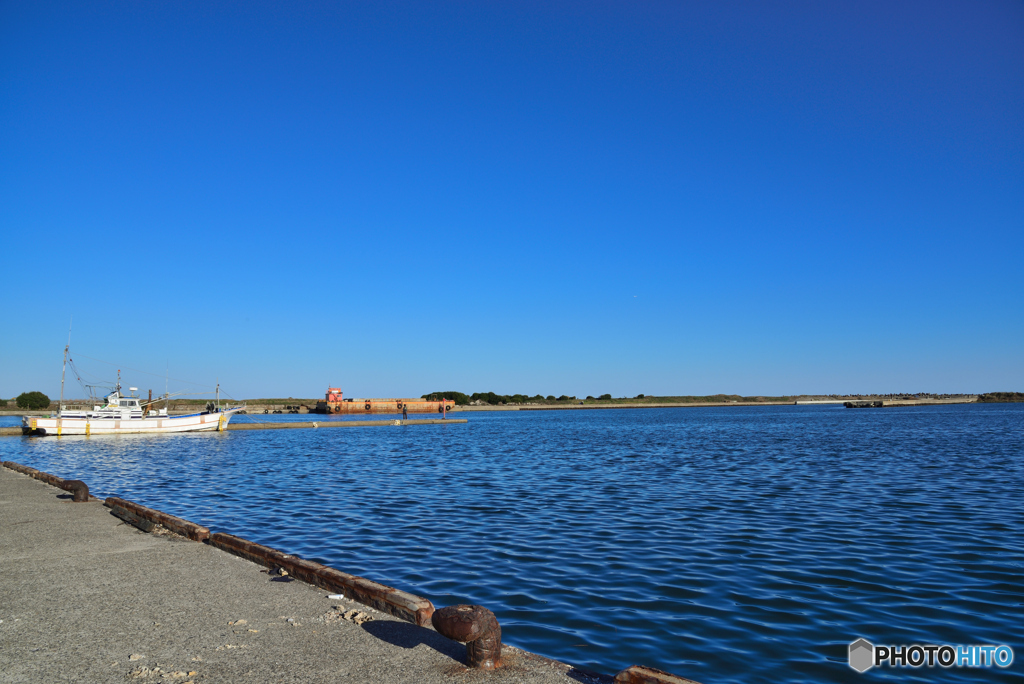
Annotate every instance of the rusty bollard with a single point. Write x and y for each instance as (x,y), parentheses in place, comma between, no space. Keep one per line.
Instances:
(78,488)
(477,628)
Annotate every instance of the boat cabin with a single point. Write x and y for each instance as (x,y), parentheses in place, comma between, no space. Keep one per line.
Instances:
(117,407)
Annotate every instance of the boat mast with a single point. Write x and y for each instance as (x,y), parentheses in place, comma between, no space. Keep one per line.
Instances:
(60,406)
(64,369)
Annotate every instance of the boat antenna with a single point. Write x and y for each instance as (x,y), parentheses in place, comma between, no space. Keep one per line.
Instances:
(218,394)
(167,393)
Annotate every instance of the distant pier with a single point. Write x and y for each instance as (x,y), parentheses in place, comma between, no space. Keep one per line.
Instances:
(343,423)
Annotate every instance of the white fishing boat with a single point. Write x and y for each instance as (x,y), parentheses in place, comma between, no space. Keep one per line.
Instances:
(120,414)
(124,415)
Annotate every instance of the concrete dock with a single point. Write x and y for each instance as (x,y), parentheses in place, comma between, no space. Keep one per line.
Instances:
(87,598)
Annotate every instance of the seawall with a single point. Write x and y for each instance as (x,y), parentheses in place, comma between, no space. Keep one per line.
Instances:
(87,597)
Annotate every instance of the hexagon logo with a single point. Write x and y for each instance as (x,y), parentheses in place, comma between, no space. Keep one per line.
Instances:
(862,655)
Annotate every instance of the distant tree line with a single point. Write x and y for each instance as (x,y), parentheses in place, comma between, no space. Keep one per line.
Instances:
(32,401)
(495,399)
(1000,397)
(462,399)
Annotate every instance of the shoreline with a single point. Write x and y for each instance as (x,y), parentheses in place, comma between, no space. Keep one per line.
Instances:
(577,407)
(968,399)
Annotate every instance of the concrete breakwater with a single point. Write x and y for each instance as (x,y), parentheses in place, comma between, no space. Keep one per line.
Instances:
(15,431)
(122,604)
(342,423)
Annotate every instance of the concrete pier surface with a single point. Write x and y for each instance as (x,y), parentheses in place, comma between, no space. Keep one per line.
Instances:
(87,598)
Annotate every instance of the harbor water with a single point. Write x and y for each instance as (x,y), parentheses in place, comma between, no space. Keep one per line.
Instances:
(723,544)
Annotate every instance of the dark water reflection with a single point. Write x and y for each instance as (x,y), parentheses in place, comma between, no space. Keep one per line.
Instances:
(739,544)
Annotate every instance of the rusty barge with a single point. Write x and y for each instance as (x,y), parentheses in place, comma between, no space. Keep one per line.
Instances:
(334,402)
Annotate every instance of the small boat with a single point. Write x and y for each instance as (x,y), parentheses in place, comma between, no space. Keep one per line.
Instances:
(122,414)
(125,415)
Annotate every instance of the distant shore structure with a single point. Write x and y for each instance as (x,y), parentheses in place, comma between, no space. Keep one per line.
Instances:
(334,402)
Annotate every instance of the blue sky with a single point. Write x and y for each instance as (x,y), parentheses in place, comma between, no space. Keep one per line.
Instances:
(579,198)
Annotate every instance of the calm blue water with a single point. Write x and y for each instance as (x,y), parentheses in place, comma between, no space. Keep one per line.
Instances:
(722,544)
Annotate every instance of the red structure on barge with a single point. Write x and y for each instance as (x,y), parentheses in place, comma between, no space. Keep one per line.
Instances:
(334,402)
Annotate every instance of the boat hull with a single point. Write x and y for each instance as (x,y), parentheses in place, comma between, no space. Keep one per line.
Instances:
(198,422)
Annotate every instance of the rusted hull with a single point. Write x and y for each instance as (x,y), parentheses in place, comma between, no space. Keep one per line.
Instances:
(364,406)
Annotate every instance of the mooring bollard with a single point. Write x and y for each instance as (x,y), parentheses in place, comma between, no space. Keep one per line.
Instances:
(477,628)
(79,489)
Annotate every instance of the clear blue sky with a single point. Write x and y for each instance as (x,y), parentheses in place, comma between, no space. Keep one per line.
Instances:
(579,198)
